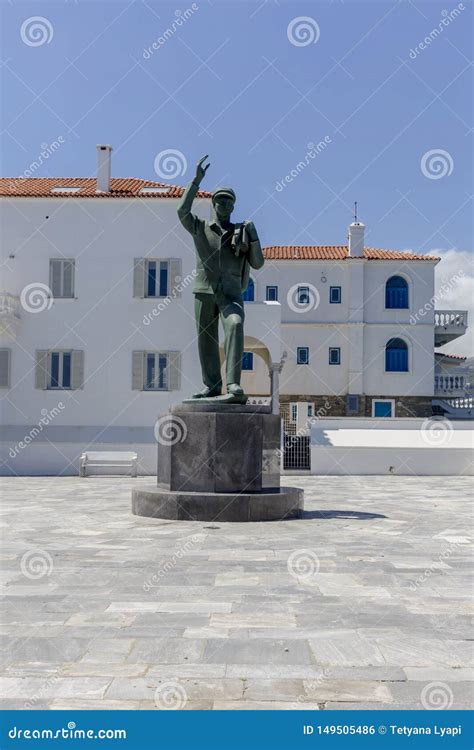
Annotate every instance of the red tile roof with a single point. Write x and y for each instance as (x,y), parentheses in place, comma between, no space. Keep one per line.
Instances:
(450,356)
(336,252)
(121,187)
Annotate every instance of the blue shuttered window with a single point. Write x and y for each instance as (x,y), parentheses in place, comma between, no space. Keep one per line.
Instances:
(396,356)
(396,293)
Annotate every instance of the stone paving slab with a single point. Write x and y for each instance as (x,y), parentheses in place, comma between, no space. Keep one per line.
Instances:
(362,603)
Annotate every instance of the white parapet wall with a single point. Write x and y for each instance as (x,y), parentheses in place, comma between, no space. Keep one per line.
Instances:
(417,447)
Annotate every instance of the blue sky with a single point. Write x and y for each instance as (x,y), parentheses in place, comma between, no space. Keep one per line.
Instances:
(231,82)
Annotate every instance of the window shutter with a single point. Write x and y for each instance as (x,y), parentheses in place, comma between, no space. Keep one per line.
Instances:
(137,370)
(68,278)
(55,277)
(174,277)
(139,277)
(174,371)
(4,368)
(41,371)
(77,369)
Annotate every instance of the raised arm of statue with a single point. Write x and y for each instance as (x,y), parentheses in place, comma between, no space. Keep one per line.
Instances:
(188,219)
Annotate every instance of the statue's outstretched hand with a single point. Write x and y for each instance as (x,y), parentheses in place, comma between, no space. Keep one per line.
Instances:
(201,169)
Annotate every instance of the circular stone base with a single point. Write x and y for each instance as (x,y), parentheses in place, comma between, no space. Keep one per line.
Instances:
(273,505)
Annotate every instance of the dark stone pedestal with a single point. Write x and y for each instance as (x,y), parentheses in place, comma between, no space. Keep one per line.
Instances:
(218,462)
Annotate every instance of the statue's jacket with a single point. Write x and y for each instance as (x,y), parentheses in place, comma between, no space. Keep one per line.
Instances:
(223,259)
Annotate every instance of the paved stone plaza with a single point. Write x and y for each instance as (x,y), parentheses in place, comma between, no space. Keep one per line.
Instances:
(363,603)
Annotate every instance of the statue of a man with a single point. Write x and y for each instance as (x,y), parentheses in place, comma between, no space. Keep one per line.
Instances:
(224,254)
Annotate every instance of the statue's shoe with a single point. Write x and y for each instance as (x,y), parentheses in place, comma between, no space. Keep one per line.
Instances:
(235,390)
(207,393)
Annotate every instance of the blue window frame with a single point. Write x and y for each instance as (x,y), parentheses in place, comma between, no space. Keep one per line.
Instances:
(302,355)
(335,295)
(163,291)
(334,355)
(303,295)
(396,293)
(396,356)
(249,294)
(382,408)
(60,370)
(247,361)
(151,279)
(156,370)
(272,294)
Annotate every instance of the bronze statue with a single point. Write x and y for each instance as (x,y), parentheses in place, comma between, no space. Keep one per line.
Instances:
(224,254)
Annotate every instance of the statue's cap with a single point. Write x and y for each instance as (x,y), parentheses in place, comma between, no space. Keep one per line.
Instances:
(224,191)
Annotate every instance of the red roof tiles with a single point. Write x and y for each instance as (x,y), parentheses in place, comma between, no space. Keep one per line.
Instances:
(450,356)
(336,252)
(121,187)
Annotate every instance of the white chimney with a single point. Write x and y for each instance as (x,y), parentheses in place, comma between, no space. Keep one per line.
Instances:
(356,239)
(104,167)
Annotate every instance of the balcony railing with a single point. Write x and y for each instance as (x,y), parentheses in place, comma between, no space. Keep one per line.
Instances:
(449,324)
(452,385)
(451,318)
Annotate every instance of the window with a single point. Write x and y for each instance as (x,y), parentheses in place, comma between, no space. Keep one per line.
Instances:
(310,410)
(302,355)
(272,294)
(249,294)
(154,190)
(293,412)
(303,295)
(66,189)
(334,355)
(156,372)
(396,293)
(352,404)
(396,356)
(59,370)
(335,295)
(383,407)
(61,278)
(247,361)
(156,278)
(5,357)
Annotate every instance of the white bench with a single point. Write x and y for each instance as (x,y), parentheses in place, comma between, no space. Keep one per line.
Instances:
(109,459)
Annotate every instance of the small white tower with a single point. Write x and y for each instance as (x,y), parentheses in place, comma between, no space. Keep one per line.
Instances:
(356,237)
(104,168)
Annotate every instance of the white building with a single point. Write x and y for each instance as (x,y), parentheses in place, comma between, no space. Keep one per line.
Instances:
(97,334)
